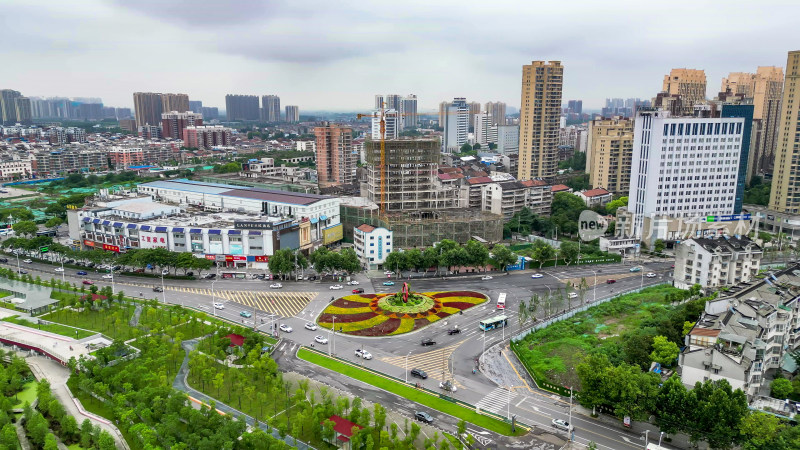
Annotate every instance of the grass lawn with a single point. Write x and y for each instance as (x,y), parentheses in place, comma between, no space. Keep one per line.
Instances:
(112,322)
(410,393)
(27,394)
(51,327)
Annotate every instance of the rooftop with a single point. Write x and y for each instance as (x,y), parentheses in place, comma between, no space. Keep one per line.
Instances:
(559,188)
(599,192)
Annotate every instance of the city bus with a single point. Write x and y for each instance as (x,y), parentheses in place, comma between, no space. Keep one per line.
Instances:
(46,233)
(501,301)
(494,322)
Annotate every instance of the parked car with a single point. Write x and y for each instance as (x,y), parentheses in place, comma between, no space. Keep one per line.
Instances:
(81,272)
(448,386)
(650,275)
(572,295)
(3,260)
(209,276)
(23,272)
(388,272)
(312,278)
(59,269)
(422,416)
(27,261)
(361,353)
(610,281)
(311,326)
(427,342)
(562,425)
(352,283)
(636,269)
(108,276)
(320,339)
(537,275)
(158,289)
(486,277)
(336,287)
(246,314)
(388,283)
(419,373)
(86,282)
(358,291)
(285,328)
(219,305)
(275,286)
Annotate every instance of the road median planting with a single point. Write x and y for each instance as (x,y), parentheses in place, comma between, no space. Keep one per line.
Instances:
(455,409)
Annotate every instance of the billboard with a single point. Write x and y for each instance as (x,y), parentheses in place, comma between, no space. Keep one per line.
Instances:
(332,234)
(728,218)
(109,247)
(261,258)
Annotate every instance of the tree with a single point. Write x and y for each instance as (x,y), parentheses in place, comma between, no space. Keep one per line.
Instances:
(542,252)
(613,205)
(781,388)
(503,256)
(593,376)
(25,228)
(664,351)
(478,253)
(50,442)
(659,245)
(466,148)
(569,252)
(674,406)
(53,222)
(396,260)
(106,441)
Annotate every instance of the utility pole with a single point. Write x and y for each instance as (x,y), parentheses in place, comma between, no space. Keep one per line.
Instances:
(646,434)
(571,427)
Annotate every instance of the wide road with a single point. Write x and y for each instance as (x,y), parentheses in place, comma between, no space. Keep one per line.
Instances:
(451,358)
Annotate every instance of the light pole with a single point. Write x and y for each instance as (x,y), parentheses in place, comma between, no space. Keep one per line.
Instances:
(63,280)
(214,299)
(407,366)
(333,339)
(571,427)
(113,287)
(646,438)
(163,291)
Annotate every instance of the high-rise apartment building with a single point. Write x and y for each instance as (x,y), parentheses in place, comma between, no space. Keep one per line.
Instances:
(292,114)
(443,113)
(408,112)
(456,125)
(270,108)
(785,193)
(474,110)
(173,123)
(196,106)
(242,107)
(684,166)
(210,112)
(23,107)
(540,114)
(690,84)
(609,154)
(8,107)
(148,108)
(485,127)
(175,102)
(379,101)
(498,112)
(336,160)
(391,124)
(575,107)
(393,101)
(207,136)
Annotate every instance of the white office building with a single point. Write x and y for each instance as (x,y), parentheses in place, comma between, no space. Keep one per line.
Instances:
(372,245)
(456,125)
(392,119)
(485,129)
(683,166)
(507,139)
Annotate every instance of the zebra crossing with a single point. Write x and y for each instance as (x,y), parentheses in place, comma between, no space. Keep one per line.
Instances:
(431,362)
(285,303)
(497,401)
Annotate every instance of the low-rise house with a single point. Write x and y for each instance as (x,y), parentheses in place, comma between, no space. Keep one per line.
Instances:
(595,197)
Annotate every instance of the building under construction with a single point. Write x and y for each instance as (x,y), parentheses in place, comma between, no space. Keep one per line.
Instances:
(418,208)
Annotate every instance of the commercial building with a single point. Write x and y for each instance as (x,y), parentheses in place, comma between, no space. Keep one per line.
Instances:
(408,112)
(496,110)
(242,107)
(173,123)
(716,262)
(336,159)
(391,120)
(540,111)
(207,136)
(746,334)
(292,114)
(148,107)
(684,166)
(785,194)
(456,125)
(372,245)
(779,223)
(270,108)
(175,102)
(610,154)
(689,84)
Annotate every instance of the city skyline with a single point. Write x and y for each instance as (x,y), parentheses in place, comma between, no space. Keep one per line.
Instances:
(314,56)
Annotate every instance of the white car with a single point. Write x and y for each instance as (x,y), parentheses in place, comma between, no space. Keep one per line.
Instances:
(218,305)
(486,277)
(285,328)
(650,275)
(352,283)
(275,285)
(337,287)
(108,276)
(59,269)
(27,261)
(320,340)
(572,295)
(388,272)
(562,425)
(449,387)
(363,354)
(537,275)
(311,326)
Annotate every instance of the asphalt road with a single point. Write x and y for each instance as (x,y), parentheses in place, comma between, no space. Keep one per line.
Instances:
(451,358)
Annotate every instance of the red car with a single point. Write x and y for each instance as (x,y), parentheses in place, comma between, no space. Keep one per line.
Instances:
(611,281)
(358,291)
(89,282)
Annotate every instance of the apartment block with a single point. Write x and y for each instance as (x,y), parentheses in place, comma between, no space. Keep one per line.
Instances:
(292,114)
(124,157)
(689,84)
(174,123)
(270,108)
(175,102)
(540,113)
(207,136)
(716,262)
(391,121)
(242,107)
(785,194)
(508,141)
(70,160)
(456,125)
(336,160)
(609,154)
(497,110)
(147,108)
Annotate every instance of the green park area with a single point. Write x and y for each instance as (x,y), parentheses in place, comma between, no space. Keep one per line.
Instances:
(27,394)
(50,327)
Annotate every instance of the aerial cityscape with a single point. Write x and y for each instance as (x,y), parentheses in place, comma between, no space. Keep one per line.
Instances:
(567,228)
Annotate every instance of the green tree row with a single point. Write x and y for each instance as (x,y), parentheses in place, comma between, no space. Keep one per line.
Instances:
(449,254)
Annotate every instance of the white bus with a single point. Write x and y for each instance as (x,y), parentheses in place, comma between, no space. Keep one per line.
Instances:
(501,301)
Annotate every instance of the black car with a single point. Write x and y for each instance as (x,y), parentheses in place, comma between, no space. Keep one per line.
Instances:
(419,373)
(423,417)
(453,331)
(3,260)
(312,278)
(91,264)
(426,342)
(210,276)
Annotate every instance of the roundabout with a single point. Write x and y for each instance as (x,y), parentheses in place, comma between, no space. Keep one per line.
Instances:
(394,314)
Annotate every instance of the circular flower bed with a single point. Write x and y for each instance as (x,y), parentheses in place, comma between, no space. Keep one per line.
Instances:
(387,314)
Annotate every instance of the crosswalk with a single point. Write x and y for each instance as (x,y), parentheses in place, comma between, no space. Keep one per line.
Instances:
(285,303)
(497,401)
(431,362)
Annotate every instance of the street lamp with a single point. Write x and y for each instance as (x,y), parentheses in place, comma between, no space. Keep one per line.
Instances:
(213,298)
(113,288)
(63,280)
(407,367)
(333,337)
(163,291)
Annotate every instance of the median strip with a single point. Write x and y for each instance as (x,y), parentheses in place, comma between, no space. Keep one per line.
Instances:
(410,393)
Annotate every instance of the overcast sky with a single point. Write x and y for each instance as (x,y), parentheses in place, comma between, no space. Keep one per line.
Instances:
(337,55)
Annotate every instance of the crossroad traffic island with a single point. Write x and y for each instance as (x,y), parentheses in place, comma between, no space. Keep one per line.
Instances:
(448,405)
